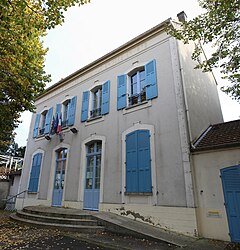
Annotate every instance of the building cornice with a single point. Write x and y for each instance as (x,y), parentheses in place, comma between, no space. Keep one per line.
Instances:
(130,44)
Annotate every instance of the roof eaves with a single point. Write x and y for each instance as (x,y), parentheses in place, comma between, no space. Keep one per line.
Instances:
(107,56)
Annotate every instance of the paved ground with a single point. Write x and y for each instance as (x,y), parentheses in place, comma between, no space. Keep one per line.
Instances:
(16,236)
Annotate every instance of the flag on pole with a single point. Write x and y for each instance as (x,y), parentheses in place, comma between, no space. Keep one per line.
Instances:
(59,126)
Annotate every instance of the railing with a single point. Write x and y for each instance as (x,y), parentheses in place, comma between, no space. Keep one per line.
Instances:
(95,113)
(41,131)
(137,98)
(10,206)
(8,164)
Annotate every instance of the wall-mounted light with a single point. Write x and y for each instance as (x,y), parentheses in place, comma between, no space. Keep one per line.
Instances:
(74,130)
(47,137)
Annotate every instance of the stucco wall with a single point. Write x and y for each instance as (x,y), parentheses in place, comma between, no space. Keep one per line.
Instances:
(202,101)
(211,213)
(160,112)
(164,114)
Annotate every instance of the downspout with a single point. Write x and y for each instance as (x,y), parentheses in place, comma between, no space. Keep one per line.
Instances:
(183,121)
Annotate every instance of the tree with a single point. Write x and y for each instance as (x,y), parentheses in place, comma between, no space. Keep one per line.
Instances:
(23,24)
(219,26)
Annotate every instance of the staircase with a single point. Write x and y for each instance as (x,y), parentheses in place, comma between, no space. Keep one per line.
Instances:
(60,218)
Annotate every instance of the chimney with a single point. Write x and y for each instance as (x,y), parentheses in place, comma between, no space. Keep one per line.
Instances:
(182,17)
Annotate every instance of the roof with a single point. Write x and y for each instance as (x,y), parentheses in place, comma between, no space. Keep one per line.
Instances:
(142,37)
(220,135)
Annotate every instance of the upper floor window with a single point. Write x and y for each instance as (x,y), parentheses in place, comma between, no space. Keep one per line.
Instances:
(137,93)
(97,101)
(66,112)
(42,123)
(138,86)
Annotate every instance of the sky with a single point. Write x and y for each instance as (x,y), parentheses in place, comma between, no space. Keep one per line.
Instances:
(92,30)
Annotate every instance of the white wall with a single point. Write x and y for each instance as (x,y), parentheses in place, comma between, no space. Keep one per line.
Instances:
(211,214)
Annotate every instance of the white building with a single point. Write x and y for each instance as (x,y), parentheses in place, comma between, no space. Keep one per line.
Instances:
(128,121)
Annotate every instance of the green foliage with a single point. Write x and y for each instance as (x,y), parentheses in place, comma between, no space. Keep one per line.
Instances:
(23,24)
(219,26)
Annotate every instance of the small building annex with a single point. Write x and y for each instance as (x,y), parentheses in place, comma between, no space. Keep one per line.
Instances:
(127,122)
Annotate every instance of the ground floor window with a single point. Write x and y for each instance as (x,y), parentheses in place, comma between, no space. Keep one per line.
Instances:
(138,162)
(35,172)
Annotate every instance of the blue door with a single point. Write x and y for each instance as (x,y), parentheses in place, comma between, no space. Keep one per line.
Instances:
(59,178)
(231,189)
(92,178)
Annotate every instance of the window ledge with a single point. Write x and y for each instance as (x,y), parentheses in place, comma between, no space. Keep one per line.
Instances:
(30,192)
(94,120)
(136,107)
(138,194)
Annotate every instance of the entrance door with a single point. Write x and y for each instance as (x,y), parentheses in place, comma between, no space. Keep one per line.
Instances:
(231,189)
(59,178)
(92,178)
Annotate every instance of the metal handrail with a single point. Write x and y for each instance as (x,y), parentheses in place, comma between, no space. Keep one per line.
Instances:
(15,196)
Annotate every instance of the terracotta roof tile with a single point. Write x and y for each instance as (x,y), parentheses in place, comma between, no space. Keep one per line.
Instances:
(218,136)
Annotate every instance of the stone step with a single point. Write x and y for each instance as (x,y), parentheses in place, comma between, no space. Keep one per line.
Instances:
(57,220)
(59,212)
(66,227)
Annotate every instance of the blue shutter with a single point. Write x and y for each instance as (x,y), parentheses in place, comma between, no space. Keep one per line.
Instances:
(121,91)
(151,80)
(85,102)
(35,130)
(105,98)
(48,121)
(72,111)
(144,162)
(131,163)
(35,171)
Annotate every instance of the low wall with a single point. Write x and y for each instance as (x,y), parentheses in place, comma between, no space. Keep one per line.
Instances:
(4,190)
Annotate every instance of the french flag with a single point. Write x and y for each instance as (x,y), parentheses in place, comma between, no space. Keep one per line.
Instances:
(59,126)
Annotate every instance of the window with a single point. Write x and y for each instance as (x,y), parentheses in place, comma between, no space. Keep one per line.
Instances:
(65,107)
(138,162)
(93,171)
(60,169)
(35,172)
(42,123)
(96,102)
(100,98)
(66,112)
(140,85)
(137,93)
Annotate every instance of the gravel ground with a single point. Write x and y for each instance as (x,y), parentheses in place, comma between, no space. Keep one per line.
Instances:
(19,236)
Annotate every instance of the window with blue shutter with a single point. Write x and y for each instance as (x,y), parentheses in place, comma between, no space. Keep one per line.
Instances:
(105,98)
(36,126)
(72,111)
(35,172)
(131,163)
(138,162)
(47,126)
(121,91)
(85,103)
(151,80)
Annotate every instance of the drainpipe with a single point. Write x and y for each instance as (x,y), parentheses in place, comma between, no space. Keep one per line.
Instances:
(183,120)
